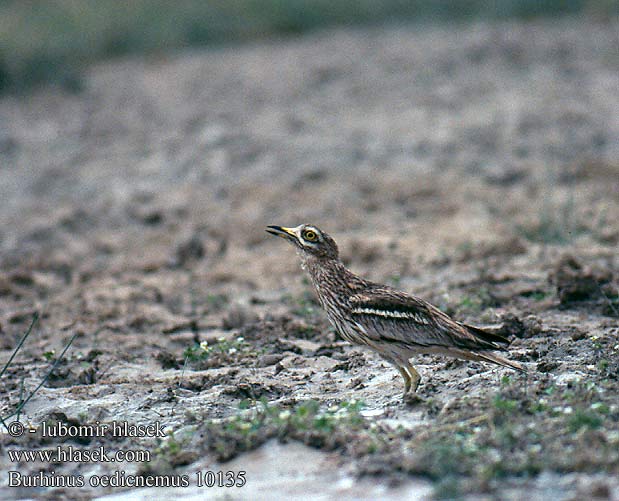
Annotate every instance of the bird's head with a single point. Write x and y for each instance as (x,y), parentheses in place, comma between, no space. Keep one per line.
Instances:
(308,239)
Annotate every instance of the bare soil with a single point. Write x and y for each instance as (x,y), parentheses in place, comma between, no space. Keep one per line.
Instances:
(475,166)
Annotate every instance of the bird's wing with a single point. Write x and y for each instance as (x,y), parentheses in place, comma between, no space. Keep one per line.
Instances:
(397,317)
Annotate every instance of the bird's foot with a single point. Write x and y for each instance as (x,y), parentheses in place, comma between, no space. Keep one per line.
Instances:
(412,399)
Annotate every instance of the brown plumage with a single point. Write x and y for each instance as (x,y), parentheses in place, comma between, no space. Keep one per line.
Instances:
(394,324)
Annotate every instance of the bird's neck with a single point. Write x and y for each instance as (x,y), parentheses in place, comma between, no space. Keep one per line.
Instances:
(317,267)
(324,271)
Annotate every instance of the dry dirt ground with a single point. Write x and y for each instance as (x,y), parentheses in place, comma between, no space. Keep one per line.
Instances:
(476,166)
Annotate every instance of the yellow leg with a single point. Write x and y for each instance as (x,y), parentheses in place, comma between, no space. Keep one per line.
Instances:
(407,379)
(411,378)
(414,376)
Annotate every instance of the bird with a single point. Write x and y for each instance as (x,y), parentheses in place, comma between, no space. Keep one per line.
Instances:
(392,323)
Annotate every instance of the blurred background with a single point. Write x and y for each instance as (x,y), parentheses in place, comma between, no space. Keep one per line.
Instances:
(42,41)
(457,149)
(129,128)
(165,113)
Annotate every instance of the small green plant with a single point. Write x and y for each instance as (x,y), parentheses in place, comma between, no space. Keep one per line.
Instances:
(308,422)
(505,404)
(168,446)
(600,408)
(203,350)
(49,355)
(538,407)
(537,295)
(583,419)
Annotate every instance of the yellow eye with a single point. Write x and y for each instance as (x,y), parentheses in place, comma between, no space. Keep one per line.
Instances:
(310,235)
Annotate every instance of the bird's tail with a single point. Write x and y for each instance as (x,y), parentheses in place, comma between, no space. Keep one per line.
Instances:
(496,359)
(490,339)
(481,356)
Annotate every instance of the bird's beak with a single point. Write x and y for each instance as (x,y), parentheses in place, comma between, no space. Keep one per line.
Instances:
(283,232)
